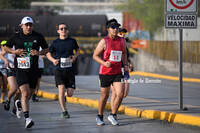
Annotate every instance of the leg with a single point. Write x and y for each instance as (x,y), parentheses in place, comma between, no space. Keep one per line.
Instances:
(103,99)
(25,95)
(118,87)
(13,87)
(113,96)
(61,96)
(126,88)
(70,92)
(4,88)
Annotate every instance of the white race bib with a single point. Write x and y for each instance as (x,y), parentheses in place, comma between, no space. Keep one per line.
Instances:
(65,62)
(23,63)
(115,56)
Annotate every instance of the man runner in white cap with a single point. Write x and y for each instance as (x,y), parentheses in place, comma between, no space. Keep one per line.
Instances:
(27,44)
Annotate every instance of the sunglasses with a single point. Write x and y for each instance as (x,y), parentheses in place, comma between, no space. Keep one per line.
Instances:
(28,24)
(114,27)
(64,28)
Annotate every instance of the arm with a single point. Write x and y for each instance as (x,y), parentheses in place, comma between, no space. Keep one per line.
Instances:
(124,57)
(37,53)
(98,51)
(53,60)
(3,52)
(20,52)
(76,55)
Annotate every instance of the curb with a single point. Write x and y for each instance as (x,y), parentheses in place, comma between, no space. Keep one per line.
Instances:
(153,75)
(148,114)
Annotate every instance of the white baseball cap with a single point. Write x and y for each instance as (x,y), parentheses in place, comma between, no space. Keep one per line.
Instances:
(27,20)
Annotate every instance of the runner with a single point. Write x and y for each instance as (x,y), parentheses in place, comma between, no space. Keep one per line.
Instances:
(122,32)
(11,74)
(62,49)
(41,68)
(109,53)
(3,78)
(27,44)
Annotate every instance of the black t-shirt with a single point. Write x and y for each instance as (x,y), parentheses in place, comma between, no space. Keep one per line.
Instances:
(63,49)
(27,42)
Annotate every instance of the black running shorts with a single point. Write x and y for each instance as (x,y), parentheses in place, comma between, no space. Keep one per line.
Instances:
(27,77)
(40,71)
(107,80)
(11,72)
(65,77)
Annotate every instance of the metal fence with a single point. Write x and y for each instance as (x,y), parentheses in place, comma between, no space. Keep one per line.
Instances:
(168,50)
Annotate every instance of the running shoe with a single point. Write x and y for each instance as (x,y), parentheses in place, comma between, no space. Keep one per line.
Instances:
(35,98)
(65,114)
(13,111)
(99,120)
(7,105)
(28,123)
(18,108)
(113,119)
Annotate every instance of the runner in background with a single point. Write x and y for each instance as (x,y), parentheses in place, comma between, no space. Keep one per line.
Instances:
(3,78)
(11,78)
(41,69)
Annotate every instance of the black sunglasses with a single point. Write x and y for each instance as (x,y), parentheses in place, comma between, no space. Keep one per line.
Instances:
(64,28)
(114,27)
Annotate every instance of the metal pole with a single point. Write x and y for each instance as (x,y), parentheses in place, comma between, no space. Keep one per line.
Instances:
(180,69)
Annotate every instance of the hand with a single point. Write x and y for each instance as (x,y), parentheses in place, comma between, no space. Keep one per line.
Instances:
(107,64)
(73,58)
(34,52)
(20,52)
(6,63)
(126,68)
(56,61)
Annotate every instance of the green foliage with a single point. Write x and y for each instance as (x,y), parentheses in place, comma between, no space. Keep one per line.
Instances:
(150,12)
(20,4)
(14,4)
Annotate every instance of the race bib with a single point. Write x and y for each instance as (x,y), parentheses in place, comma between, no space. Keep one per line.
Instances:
(65,62)
(23,63)
(115,56)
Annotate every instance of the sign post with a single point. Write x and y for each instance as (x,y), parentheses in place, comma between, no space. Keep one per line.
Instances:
(181,14)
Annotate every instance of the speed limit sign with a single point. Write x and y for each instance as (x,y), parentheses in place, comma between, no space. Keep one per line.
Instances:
(181,6)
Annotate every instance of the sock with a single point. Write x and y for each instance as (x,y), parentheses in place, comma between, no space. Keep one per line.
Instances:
(26,114)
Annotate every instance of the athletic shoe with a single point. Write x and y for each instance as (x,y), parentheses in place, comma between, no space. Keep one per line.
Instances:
(113,119)
(99,120)
(13,111)
(18,108)
(65,115)
(35,98)
(28,123)
(7,105)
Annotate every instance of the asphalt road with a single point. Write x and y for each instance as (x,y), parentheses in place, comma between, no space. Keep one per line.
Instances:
(151,88)
(46,115)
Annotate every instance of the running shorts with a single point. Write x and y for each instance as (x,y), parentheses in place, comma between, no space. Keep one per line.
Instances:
(107,80)
(65,77)
(27,77)
(40,71)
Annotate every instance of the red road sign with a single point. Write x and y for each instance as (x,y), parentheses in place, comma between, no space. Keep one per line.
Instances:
(181,6)
(184,3)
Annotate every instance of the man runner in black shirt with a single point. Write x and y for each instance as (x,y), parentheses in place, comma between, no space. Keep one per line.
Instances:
(27,45)
(62,49)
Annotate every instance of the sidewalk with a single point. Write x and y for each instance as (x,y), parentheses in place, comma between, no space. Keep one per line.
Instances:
(133,106)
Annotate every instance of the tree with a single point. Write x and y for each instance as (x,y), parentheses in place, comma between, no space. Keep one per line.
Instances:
(14,4)
(150,12)
(20,4)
